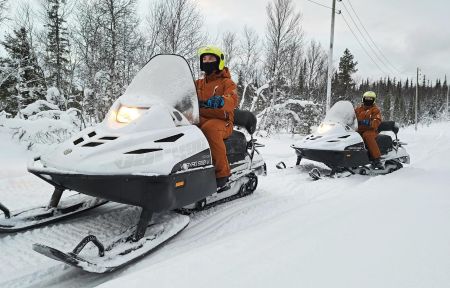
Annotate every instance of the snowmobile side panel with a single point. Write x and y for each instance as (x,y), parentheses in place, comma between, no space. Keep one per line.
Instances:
(156,193)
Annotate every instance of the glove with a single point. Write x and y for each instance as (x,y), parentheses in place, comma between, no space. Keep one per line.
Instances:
(365,122)
(215,102)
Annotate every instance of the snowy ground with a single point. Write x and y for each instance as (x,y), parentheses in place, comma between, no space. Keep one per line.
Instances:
(384,231)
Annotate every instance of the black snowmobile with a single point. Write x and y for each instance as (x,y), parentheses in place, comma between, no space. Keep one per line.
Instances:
(148,152)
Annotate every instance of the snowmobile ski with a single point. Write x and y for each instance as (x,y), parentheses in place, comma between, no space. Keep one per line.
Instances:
(315,174)
(123,250)
(15,221)
(389,167)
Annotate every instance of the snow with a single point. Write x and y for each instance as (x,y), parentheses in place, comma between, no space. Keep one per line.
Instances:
(38,106)
(383,231)
(53,96)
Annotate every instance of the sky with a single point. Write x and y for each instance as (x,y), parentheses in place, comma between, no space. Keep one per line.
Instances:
(410,33)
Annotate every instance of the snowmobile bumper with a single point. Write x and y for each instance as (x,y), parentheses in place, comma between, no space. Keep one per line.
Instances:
(331,158)
(154,192)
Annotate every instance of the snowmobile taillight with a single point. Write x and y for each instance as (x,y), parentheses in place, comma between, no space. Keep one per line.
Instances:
(179,184)
(129,114)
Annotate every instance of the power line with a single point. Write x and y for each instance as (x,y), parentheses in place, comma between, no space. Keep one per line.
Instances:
(323,5)
(371,39)
(362,46)
(367,42)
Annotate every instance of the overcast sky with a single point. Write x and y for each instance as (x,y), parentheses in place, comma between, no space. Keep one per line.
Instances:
(410,33)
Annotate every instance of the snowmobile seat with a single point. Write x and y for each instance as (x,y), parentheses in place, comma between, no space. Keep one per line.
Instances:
(384,143)
(388,126)
(236,146)
(245,119)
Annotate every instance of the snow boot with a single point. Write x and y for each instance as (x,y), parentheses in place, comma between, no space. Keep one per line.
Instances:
(376,164)
(222,184)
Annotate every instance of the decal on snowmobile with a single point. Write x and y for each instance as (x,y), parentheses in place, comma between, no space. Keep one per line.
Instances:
(198,160)
(156,155)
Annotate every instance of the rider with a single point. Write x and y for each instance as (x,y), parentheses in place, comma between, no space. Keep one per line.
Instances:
(369,118)
(218,93)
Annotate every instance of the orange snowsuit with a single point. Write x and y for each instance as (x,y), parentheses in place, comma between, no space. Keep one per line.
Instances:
(217,124)
(368,130)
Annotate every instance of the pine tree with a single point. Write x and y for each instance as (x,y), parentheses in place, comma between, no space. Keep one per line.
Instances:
(25,81)
(58,47)
(387,107)
(347,66)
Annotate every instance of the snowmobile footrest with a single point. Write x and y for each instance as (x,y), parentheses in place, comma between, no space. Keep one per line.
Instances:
(86,240)
(5,211)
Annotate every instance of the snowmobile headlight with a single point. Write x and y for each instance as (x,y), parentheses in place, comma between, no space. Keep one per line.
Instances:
(128,114)
(323,128)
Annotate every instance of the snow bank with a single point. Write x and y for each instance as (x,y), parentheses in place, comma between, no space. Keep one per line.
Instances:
(37,107)
(42,124)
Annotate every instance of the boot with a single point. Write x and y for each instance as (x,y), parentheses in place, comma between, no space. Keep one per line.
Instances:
(376,164)
(221,183)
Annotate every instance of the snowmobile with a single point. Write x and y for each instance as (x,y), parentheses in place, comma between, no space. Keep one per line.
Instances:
(148,152)
(337,145)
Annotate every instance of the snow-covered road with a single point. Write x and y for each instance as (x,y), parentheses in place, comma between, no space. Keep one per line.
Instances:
(384,231)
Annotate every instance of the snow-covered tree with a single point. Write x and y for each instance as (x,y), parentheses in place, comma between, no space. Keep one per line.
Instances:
(111,49)
(283,48)
(248,67)
(22,80)
(3,8)
(230,47)
(175,26)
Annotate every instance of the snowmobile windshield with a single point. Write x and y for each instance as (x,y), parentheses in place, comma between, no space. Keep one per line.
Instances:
(342,113)
(165,79)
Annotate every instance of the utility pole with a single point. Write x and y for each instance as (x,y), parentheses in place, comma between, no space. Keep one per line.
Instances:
(330,56)
(416,104)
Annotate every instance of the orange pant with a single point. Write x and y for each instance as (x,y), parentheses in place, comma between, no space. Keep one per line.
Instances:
(369,138)
(216,131)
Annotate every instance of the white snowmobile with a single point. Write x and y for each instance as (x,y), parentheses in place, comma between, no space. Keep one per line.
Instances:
(148,152)
(337,144)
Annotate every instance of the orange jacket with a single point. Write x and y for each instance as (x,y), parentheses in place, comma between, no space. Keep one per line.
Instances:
(218,84)
(371,113)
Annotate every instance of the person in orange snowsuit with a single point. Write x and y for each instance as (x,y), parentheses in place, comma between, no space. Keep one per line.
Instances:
(369,118)
(218,97)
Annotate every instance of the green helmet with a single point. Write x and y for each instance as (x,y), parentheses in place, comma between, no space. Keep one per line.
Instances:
(369,94)
(213,51)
